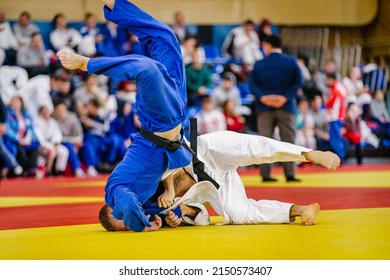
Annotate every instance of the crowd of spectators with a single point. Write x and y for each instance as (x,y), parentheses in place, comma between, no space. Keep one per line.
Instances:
(54,121)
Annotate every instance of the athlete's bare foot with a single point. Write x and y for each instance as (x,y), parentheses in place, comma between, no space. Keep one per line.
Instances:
(109,3)
(73,61)
(308,213)
(328,160)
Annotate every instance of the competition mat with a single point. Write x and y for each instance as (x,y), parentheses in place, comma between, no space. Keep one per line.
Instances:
(57,219)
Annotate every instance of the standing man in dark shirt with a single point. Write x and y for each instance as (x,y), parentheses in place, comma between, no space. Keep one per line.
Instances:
(275,81)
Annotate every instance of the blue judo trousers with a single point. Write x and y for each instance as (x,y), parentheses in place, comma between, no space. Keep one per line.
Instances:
(161,106)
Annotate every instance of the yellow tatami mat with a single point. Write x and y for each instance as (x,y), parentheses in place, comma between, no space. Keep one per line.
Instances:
(340,234)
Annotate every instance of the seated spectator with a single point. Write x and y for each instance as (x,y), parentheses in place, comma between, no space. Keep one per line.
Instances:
(234,122)
(12,78)
(112,40)
(72,133)
(357,92)
(34,57)
(305,125)
(61,91)
(8,42)
(179,26)
(379,114)
(320,77)
(7,160)
(243,43)
(89,32)
(99,145)
(127,91)
(188,47)
(63,36)
(228,90)
(24,29)
(20,137)
(89,91)
(209,118)
(124,124)
(198,78)
(321,129)
(265,29)
(50,138)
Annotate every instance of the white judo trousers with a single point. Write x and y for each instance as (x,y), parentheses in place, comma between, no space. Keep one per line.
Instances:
(222,153)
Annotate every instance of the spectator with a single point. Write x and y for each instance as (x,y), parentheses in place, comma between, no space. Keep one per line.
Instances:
(8,42)
(34,57)
(352,130)
(357,92)
(7,160)
(24,29)
(243,43)
(179,26)
(124,124)
(265,29)
(198,78)
(72,136)
(275,82)
(89,32)
(12,78)
(320,77)
(228,90)
(20,137)
(234,122)
(113,40)
(127,91)
(209,118)
(305,125)
(63,36)
(90,91)
(61,91)
(379,113)
(321,130)
(50,138)
(336,110)
(188,47)
(99,146)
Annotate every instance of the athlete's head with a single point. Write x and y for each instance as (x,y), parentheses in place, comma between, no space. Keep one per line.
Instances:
(108,221)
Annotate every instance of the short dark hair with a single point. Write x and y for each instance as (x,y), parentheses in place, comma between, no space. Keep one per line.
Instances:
(94,102)
(274,40)
(104,218)
(249,21)
(332,75)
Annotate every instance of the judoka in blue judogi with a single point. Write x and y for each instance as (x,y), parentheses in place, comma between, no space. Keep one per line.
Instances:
(161,107)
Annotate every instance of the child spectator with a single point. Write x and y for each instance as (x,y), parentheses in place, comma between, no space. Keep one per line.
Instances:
(24,29)
(379,113)
(72,136)
(234,122)
(305,126)
(63,36)
(20,137)
(209,118)
(321,130)
(50,137)
(352,130)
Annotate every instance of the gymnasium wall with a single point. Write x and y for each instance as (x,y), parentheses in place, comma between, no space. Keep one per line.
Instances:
(282,12)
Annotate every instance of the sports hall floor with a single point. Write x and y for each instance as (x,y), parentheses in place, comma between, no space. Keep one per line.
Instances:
(56,219)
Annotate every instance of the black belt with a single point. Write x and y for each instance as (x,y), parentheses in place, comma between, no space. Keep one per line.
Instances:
(170,145)
(173,146)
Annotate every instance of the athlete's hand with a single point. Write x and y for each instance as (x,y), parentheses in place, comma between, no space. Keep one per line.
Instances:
(172,219)
(156,224)
(166,199)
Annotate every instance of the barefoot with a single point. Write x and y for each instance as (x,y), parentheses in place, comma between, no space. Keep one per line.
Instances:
(72,61)
(309,214)
(328,160)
